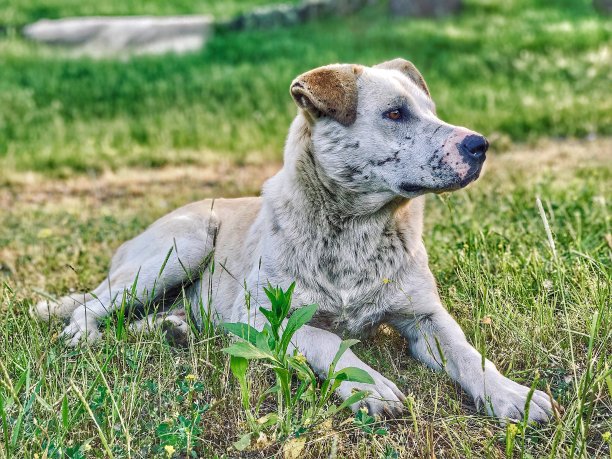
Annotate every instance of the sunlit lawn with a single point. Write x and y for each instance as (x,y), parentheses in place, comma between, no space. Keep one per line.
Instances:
(512,70)
(80,142)
(536,316)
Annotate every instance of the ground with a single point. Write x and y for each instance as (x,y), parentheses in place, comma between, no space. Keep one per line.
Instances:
(93,151)
(536,315)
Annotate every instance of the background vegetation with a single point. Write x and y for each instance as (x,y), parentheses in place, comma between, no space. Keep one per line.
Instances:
(519,71)
(513,70)
(18,13)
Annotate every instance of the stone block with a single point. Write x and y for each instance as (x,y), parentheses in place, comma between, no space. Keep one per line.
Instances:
(109,36)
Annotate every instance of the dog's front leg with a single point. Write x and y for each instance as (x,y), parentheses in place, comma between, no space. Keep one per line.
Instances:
(438,341)
(320,347)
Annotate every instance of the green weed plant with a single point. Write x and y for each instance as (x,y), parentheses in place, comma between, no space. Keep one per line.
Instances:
(301,401)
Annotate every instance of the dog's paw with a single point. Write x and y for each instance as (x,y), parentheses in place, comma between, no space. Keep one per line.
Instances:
(76,332)
(506,400)
(177,331)
(61,308)
(384,398)
(46,309)
(43,310)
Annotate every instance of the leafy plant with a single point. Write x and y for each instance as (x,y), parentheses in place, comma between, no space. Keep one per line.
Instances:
(368,423)
(180,434)
(390,453)
(301,401)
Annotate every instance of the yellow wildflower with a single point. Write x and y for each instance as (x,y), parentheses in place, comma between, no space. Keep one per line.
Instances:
(386,280)
(169,450)
(190,377)
(45,233)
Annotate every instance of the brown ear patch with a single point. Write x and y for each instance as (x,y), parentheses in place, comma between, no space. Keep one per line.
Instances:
(408,69)
(329,91)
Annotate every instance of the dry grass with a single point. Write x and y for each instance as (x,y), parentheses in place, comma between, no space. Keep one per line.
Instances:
(487,247)
(556,159)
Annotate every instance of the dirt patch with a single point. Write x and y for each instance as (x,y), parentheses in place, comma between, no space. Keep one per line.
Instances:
(222,179)
(559,158)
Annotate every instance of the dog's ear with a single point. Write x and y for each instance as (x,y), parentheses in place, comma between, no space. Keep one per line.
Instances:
(408,69)
(328,91)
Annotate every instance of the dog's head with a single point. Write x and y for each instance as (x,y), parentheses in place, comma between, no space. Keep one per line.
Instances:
(375,130)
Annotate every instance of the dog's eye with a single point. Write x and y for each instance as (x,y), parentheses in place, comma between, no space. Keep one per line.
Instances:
(394,115)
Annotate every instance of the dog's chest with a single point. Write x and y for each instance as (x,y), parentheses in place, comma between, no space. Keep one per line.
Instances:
(356,312)
(349,282)
(339,265)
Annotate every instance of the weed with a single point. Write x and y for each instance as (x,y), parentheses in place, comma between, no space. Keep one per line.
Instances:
(367,423)
(299,406)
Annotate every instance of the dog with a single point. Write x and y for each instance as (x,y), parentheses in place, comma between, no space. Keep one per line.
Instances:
(343,218)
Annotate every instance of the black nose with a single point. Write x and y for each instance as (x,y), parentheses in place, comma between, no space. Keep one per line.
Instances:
(474,146)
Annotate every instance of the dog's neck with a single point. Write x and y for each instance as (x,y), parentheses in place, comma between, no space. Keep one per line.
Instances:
(333,202)
(302,179)
(313,222)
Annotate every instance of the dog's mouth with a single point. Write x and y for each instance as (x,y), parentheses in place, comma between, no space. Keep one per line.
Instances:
(411,190)
(472,175)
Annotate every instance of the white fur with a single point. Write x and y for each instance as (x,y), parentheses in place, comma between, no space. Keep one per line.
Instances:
(343,213)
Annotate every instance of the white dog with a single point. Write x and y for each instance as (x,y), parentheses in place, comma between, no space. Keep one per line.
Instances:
(344,213)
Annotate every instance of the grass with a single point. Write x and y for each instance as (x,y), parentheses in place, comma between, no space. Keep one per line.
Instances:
(536,315)
(15,13)
(515,71)
(72,132)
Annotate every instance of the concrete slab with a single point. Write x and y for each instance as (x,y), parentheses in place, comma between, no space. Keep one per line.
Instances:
(112,35)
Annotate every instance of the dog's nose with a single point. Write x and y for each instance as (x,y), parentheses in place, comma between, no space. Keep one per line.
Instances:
(475,146)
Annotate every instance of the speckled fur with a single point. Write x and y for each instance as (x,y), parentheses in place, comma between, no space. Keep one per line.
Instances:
(343,219)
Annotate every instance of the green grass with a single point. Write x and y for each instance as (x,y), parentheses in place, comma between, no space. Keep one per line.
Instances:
(20,12)
(515,71)
(534,315)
